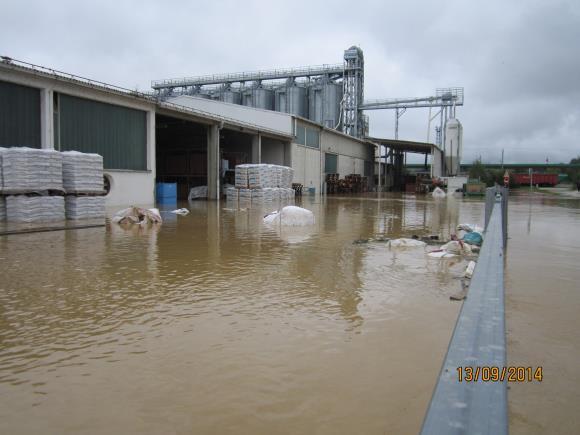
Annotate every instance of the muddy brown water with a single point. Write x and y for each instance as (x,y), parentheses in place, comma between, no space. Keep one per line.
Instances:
(215,323)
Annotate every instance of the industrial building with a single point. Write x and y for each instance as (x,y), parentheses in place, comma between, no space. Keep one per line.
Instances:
(144,140)
(194,131)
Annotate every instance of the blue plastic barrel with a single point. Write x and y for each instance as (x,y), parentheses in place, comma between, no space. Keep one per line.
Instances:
(165,192)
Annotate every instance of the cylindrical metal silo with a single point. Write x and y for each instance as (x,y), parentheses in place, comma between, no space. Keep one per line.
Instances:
(263,98)
(260,98)
(296,101)
(315,103)
(332,94)
(324,103)
(230,96)
(280,98)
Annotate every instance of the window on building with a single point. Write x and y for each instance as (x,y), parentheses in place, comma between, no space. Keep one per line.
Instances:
(301,135)
(330,163)
(308,136)
(312,138)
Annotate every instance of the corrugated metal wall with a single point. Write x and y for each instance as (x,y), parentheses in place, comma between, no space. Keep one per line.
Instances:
(19,116)
(117,133)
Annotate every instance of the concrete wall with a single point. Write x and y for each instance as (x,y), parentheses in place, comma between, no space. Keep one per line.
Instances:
(338,143)
(130,188)
(268,119)
(307,166)
(273,151)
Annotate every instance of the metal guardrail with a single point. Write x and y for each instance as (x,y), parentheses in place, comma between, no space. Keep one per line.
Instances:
(478,406)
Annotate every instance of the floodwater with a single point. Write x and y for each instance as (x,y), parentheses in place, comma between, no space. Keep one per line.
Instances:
(215,323)
(543,312)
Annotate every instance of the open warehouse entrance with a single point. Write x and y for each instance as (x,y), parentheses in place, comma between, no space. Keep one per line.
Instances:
(181,153)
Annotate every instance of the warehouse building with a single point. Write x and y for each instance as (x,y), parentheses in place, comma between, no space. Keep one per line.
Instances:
(144,140)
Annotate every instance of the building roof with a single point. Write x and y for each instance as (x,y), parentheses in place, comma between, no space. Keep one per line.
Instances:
(405,145)
(28,69)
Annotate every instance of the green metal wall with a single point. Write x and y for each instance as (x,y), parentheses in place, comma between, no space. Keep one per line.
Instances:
(330,163)
(117,133)
(19,116)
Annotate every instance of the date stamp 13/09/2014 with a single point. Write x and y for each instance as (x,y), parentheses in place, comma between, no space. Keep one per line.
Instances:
(500,374)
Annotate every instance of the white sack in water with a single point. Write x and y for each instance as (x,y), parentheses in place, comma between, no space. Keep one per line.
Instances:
(291,216)
(407,243)
(438,193)
(181,211)
(455,247)
(441,254)
(137,215)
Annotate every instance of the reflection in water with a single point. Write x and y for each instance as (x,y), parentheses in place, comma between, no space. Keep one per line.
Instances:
(214,322)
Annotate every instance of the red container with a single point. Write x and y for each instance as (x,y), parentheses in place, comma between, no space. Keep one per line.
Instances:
(541,179)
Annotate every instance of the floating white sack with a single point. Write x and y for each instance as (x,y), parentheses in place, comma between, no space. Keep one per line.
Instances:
(291,216)
(137,215)
(455,247)
(438,193)
(441,254)
(407,243)
(181,211)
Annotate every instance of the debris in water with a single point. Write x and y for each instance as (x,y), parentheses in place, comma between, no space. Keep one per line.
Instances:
(137,215)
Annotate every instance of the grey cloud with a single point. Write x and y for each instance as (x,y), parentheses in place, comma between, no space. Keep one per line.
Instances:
(518,61)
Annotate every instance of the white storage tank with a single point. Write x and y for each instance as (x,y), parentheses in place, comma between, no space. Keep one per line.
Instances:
(453,146)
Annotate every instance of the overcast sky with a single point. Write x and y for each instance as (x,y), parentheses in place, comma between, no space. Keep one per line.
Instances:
(519,61)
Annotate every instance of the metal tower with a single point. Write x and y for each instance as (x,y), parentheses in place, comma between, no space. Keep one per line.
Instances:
(353,92)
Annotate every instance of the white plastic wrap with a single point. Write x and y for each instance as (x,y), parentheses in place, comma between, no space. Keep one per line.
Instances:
(82,172)
(232,194)
(34,208)
(291,216)
(241,176)
(198,192)
(407,243)
(29,170)
(84,207)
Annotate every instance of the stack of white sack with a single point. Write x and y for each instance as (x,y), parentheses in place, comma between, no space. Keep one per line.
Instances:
(82,172)
(198,192)
(231,194)
(268,194)
(241,176)
(257,196)
(34,208)
(259,176)
(84,207)
(245,194)
(287,176)
(30,170)
(291,216)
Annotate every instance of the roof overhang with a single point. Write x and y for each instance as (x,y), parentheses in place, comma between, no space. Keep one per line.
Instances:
(405,145)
